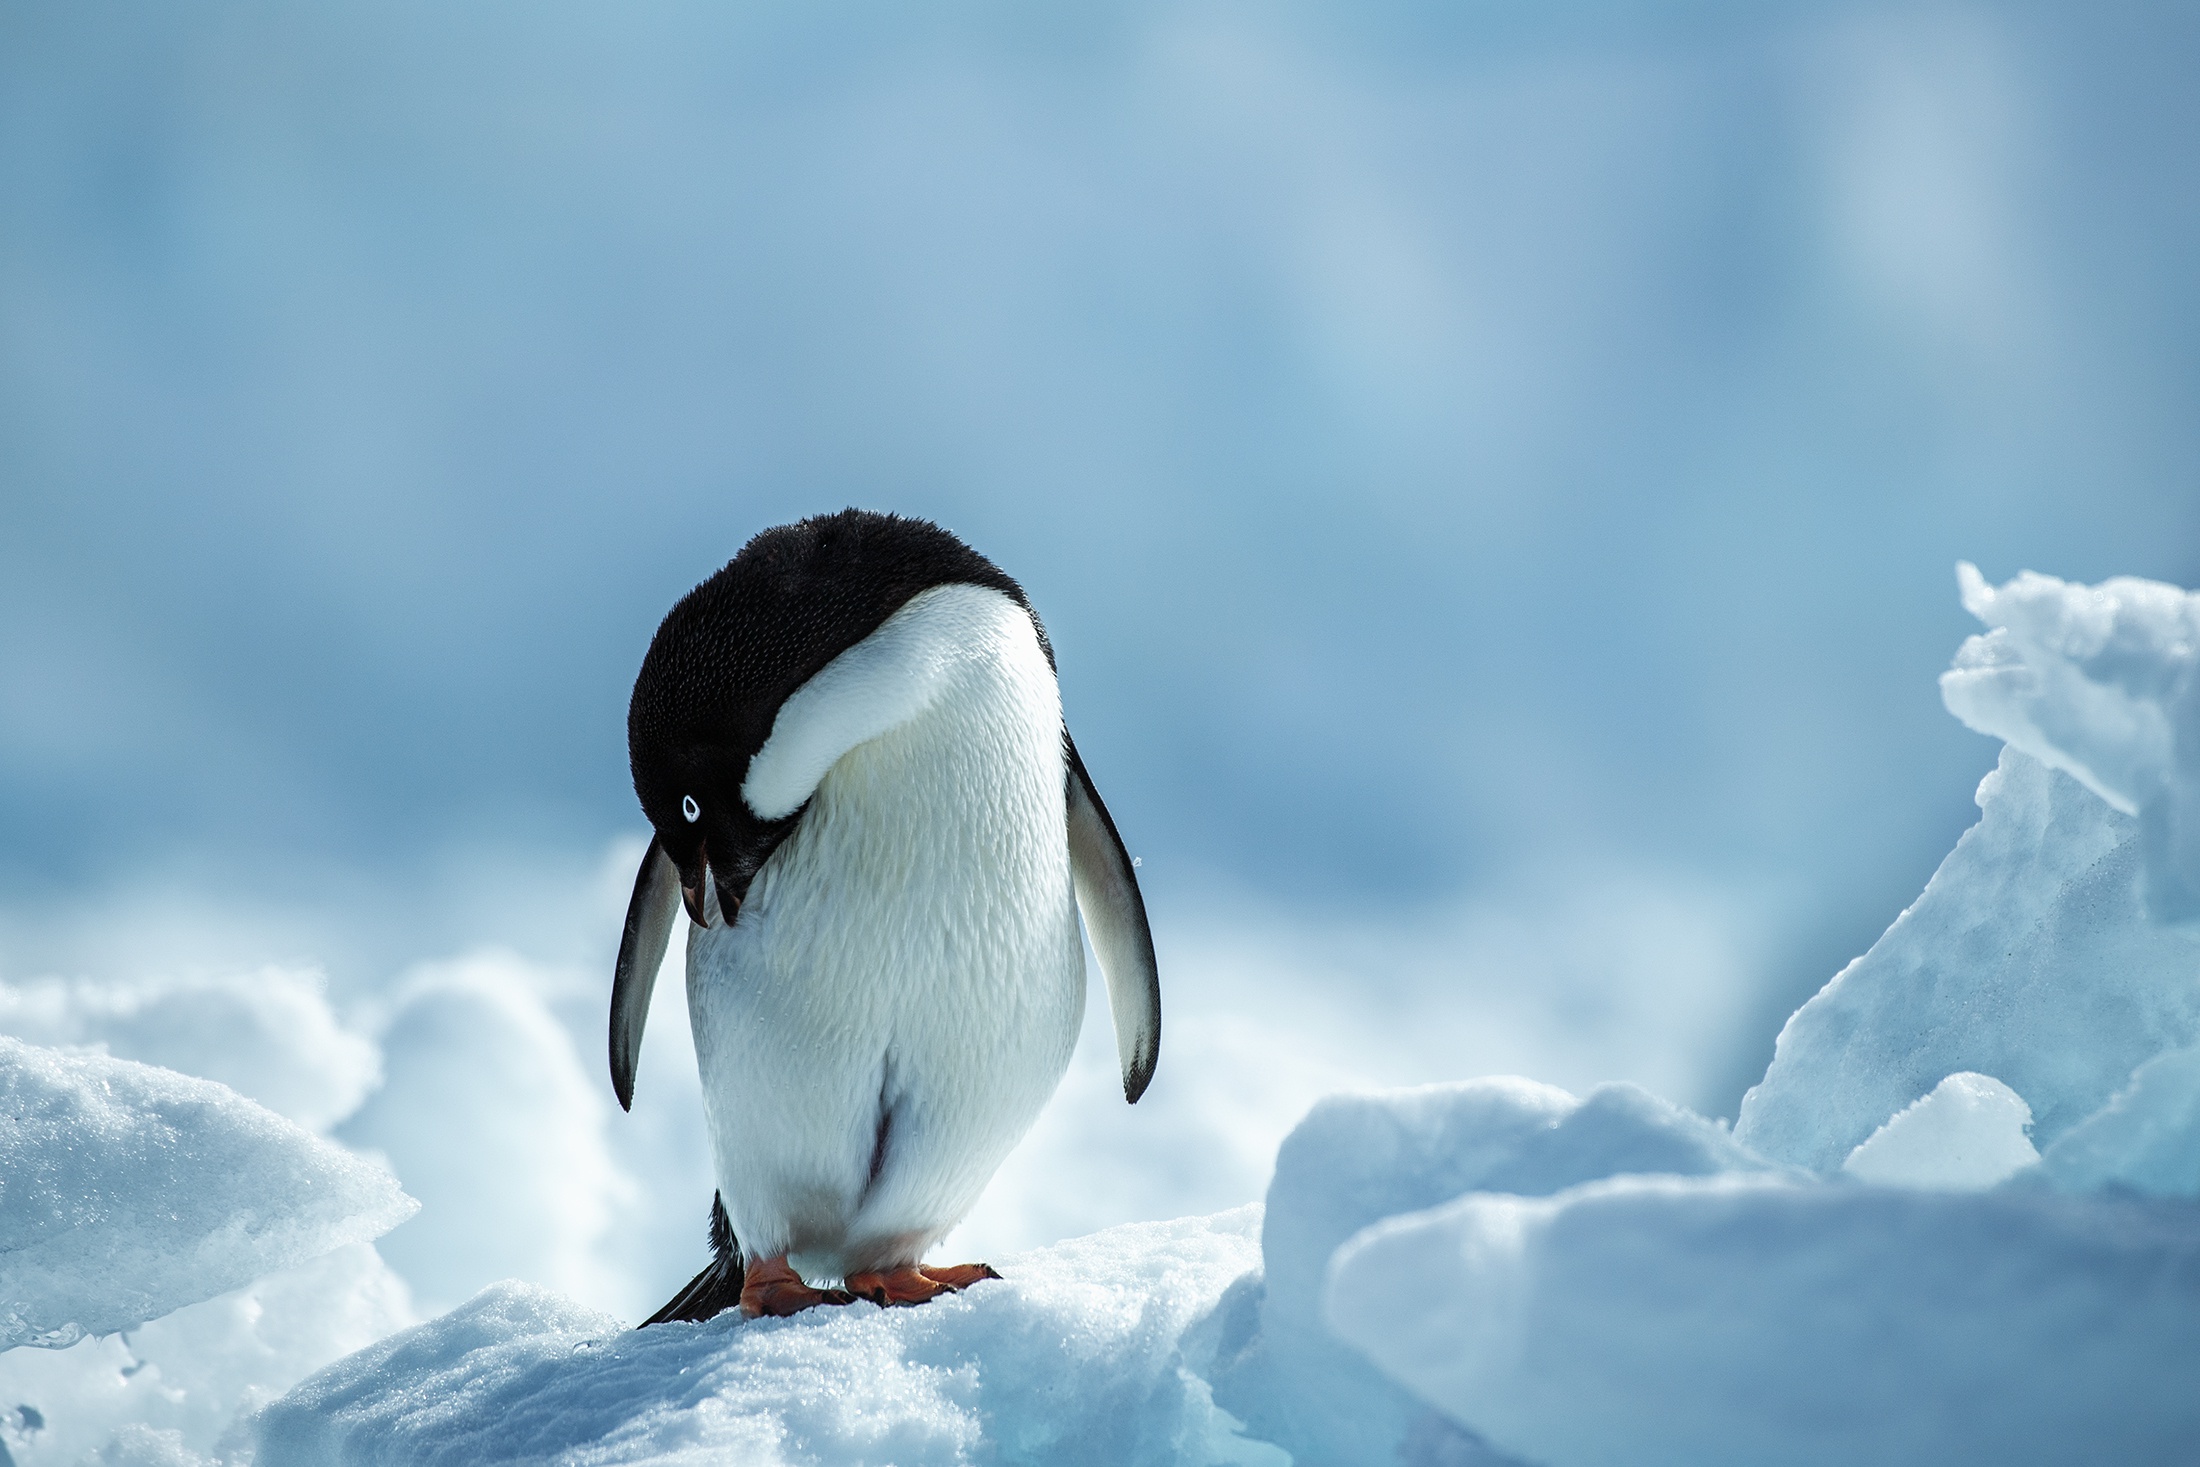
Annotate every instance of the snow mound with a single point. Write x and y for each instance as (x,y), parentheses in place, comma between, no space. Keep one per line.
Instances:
(2103,683)
(1077,1356)
(1967,1135)
(128,1191)
(1358,1158)
(2029,957)
(1746,1320)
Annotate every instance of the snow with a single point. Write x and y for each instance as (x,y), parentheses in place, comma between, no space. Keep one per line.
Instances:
(128,1191)
(1358,1158)
(1967,1135)
(496,1125)
(188,1376)
(2041,951)
(269,1035)
(2029,957)
(1074,1357)
(2099,682)
(173,1389)
(1926,1286)
(1745,1320)
(2145,1140)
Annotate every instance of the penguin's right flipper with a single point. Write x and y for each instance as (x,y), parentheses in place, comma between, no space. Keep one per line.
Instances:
(718,1287)
(649,919)
(1115,916)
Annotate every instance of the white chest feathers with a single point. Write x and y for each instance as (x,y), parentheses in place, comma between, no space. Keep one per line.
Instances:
(904,984)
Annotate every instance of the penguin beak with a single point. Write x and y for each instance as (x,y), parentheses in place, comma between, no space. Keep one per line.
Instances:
(692,892)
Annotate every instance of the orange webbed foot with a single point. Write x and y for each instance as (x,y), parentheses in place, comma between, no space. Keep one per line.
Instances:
(772,1288)
(911,1284)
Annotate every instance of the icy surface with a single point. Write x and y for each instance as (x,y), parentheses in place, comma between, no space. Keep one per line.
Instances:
(2102,682)
(128,1191)
(2146,1140)
(1967,1135)
(2029,957)
(1700,1322)
(1359,1158)
(1073,1358)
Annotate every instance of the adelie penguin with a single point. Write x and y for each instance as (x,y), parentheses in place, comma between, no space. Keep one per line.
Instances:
(850,744)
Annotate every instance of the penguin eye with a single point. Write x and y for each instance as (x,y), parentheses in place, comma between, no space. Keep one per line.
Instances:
(689,808)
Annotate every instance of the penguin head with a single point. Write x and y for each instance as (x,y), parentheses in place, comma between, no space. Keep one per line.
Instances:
(737,646)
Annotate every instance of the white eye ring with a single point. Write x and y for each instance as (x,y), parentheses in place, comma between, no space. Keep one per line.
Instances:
(689,808)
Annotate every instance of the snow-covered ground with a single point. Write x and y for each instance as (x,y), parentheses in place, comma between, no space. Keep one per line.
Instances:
(1958,1221)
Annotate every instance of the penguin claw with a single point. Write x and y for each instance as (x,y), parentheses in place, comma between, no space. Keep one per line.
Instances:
(774,1289)
(959,1276)
(911,1284)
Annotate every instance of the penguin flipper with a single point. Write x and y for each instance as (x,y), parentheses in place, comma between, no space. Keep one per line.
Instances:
(718,1287)
(1115,916)
(649,919)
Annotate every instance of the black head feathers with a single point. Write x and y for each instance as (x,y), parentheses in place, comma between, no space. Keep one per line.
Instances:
(736,646)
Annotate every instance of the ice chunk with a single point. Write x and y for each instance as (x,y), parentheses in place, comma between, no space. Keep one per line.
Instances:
(128,1191)
(1073,1358)
(1359,1158)
(1745,1320)
(2102,682)
(2028,957)
(2147,1139)
(269,1035)
(1967,1135)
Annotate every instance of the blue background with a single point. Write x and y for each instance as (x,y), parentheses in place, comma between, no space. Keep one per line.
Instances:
(1445,441)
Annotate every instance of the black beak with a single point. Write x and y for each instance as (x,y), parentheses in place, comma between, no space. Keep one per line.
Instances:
(691,893)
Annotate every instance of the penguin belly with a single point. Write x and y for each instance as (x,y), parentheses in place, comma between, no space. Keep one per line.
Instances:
(905,981)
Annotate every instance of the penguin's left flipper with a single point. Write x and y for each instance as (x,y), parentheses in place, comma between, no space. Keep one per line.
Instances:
(1115,917)
(718,1287)
(649,918)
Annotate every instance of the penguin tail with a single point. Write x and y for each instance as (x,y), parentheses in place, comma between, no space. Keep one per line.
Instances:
(718,1286)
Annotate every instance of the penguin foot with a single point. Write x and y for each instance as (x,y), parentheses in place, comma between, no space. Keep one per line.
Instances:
(911,1284)
(772,1288)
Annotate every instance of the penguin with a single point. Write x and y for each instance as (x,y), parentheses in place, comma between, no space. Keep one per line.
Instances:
(850,747)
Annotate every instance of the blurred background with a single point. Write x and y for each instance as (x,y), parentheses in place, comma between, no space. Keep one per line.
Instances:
(1493,474)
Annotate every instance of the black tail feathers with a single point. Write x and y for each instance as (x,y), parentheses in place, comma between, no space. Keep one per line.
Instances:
(718,1286)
